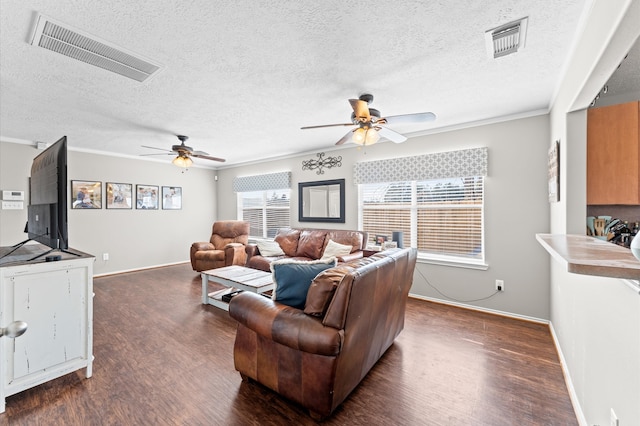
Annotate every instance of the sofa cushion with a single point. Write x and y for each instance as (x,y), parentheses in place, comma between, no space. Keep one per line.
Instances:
(269,248)
(288,240)
(310,243)
(322,289)
(292,279)
(334,249)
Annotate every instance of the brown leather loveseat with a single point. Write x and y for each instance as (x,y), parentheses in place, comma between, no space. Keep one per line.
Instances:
(307,244)
(318,355)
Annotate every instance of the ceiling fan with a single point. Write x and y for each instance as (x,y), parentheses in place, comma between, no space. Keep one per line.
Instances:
(370,125)
(184,153)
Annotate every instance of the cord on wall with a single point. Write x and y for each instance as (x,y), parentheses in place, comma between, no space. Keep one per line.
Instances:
(453,298)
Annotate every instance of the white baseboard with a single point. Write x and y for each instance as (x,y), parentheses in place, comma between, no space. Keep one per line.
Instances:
(140,269)
(476,308)
(567,379)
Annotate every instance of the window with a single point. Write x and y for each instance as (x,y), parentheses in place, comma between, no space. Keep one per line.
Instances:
(264,201)
(443,218)
(266,211)
(436,200)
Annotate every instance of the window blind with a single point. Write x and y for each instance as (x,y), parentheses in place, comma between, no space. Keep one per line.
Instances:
(264,201)
(442,217)
(266,211)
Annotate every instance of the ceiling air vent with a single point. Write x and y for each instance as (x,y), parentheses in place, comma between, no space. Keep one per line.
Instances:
(83,47)
(506,39)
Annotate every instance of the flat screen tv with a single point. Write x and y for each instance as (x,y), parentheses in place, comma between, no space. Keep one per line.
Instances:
(47,211)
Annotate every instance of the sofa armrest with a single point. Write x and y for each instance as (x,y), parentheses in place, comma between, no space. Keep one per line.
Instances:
(234,254)
(251,250)
(285,325)
(351,256)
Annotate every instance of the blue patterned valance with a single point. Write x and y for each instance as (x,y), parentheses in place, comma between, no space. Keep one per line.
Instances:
(441,165)
(266,182)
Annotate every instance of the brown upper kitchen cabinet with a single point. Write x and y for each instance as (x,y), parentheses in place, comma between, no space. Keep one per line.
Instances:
(613,155)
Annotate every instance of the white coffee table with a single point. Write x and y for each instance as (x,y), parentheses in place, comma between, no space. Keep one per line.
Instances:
(235,276)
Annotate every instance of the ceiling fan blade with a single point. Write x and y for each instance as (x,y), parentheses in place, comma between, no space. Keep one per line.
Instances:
(419,117)
(346,137)
(164,153)
(361,109)
(199,153)
(207,157)
(153,147)
(393,136)
(326,125)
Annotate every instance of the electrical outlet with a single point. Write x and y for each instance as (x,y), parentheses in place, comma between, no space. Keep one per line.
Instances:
(105,256)
(614,419)
(500,285)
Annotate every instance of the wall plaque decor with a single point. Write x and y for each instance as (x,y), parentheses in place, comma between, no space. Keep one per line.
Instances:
(554,172)
(321,162)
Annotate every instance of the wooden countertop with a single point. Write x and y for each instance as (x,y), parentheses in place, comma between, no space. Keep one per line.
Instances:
(590,256)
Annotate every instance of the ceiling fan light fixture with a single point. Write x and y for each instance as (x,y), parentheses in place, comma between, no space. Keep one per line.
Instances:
(365,136)
(372,137)
(359,135)
(181,161)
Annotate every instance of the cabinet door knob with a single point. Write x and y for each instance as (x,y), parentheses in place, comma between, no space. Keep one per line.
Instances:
(13,330)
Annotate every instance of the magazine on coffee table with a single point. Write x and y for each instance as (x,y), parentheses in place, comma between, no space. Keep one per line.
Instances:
(219,293)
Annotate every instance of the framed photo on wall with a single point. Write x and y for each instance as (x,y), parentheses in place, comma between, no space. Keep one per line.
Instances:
(119,195)
(171,198)
(147,197)
(86,194)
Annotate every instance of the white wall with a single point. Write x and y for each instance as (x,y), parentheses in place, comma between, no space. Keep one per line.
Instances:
(596,320)
(133,238)
(516,208)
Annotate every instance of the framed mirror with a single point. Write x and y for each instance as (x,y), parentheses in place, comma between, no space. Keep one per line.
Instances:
(321,201)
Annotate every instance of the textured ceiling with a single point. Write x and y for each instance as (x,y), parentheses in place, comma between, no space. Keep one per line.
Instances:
(240,78)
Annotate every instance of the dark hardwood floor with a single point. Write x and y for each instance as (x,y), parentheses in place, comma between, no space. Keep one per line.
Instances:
(163,358)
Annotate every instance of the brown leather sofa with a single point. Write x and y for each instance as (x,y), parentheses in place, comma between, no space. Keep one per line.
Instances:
(225,247)
(307,244)
(317,360)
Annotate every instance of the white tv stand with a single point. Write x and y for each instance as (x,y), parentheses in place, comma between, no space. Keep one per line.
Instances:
(55,299)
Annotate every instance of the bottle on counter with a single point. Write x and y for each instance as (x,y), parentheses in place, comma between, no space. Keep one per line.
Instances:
(625,234)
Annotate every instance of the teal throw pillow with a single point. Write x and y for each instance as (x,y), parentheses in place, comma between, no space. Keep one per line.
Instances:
(293,279)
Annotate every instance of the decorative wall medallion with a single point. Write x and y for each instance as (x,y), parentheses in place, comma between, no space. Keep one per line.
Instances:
(321,162)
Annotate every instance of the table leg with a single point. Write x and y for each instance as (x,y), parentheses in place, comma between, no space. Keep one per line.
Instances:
(205,282)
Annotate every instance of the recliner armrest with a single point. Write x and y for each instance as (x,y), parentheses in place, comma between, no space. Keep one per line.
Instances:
(234,254)
(285,325)
(202,246)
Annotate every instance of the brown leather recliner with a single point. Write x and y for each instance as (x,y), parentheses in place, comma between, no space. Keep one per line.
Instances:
(225,248)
